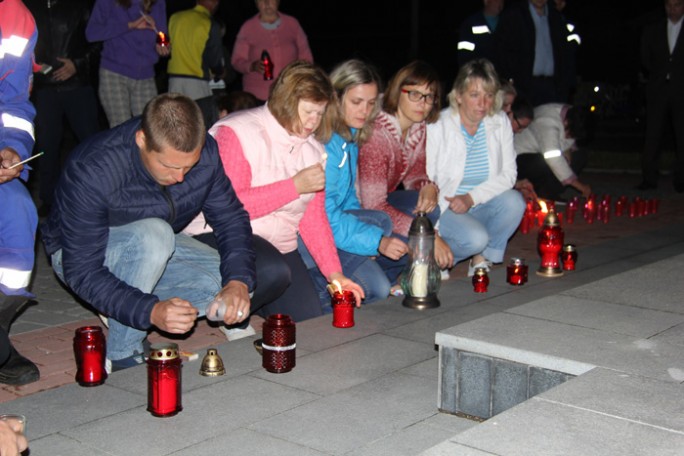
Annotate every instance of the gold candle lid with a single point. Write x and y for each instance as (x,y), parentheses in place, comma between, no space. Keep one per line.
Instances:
(481,271)
(163,351)
(569,248)
(551,218)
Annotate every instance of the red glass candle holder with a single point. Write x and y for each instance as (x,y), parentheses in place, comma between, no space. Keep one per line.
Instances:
(480,280)
(343,304)
(279,344)
(164,380)
(163,39)
(620,205)
(549,244)
(516,272)
(90,353)
(268,65)
(654,203)
(569,257)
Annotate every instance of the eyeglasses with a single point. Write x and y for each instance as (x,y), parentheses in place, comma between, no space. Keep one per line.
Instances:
(416,96)
(521,126)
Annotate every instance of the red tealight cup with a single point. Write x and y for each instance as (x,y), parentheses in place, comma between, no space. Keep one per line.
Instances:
(343,304)
(480,280)
(516,272)
(90,352)
(569,257)
(279,346)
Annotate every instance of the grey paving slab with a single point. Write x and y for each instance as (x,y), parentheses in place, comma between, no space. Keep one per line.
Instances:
(423,330)
(449,422)
(449,448)
(60,409)
(635,398)
(642,287)
(564,348)
(350,364)
(231,404)
(642,323)
(540,428)
(237,441)
(356,417)
(407,442)
(59,445)
(426,369)
(674,335)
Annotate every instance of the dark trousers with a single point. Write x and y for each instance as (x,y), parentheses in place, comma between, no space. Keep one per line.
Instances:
(283,284)
(534,168)
(79,105)
(664,109)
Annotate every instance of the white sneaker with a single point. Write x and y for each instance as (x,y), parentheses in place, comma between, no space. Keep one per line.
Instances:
(444,274)
(237,333)
(482,264)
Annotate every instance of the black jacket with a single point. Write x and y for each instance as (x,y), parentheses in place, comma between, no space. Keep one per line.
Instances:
(61,33)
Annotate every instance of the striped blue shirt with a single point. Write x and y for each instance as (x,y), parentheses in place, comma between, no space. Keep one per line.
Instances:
(476,169)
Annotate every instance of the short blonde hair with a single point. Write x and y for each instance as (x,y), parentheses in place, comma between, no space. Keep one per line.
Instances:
(481,69)
(301,80)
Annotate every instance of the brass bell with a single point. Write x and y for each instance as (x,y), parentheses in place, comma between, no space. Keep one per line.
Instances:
(212,364)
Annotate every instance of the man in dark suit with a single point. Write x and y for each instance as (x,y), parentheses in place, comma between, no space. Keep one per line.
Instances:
(531,42)
(662,55)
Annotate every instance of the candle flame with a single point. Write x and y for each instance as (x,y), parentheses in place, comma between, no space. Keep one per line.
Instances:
(338,286)
(542,206)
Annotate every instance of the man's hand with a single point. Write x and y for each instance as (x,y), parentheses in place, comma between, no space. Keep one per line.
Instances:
(443,254)
(12,440)
(8,157)
(235,296)
(427,199)
(460,203)
(393,248)
(66,71)
(310,180)
(175,316)
(581,187)
(348,284)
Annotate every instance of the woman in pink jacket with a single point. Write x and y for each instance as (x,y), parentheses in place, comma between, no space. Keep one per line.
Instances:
(272,31)
(274,160)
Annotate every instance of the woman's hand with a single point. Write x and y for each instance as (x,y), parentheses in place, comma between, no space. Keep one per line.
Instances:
(348,284)
(443,254)
(393,248)
(310,180)
(257,67)
(460,203)
(427,199)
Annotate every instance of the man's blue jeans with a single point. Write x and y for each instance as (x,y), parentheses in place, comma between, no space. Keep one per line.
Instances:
(148,255)
(484,229)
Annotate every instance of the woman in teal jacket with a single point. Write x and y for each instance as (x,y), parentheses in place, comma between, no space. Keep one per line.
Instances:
(368,254)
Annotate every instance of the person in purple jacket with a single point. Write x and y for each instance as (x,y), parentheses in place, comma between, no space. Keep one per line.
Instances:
(128,30)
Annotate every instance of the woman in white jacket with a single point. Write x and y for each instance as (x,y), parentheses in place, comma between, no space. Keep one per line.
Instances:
(470,156)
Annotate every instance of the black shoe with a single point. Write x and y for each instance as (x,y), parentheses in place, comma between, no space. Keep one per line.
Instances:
(9,307)
(18,370)
(646,186)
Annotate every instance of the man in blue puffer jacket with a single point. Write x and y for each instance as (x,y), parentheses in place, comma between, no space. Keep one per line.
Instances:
(113,233)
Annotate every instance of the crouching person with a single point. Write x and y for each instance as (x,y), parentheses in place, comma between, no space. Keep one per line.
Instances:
(114,232)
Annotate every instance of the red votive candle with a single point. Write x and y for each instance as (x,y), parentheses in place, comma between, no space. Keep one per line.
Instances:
(163,40)
(343,304)
(569,257)
(516,272)
(653,203)
(90,352)
(480,280)
(279,344)
(164,380)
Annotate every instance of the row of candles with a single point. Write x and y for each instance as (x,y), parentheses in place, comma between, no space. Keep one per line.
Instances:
(592,210)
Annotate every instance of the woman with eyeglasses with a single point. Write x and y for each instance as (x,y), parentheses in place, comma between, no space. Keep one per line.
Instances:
(470,155)
(394,154)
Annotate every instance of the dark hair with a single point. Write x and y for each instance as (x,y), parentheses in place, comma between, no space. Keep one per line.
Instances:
(237,101)
(415,73)
(301,80)
(146,4)
(522,109)
(174,120)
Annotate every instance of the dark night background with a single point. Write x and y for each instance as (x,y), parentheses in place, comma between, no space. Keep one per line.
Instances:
(380,31)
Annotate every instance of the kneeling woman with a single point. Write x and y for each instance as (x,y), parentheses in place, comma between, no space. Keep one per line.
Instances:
(274,160)
(470,156)
(359,233)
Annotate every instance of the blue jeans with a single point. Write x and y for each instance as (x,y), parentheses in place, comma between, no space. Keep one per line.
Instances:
(361,269)
(148,255)
(484,229)
(406,201)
